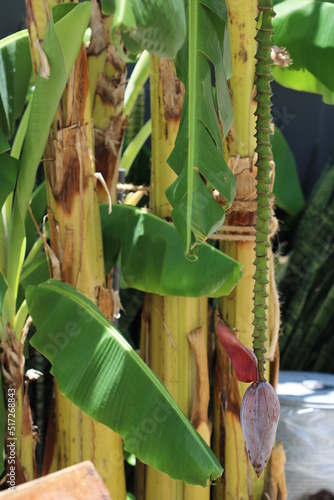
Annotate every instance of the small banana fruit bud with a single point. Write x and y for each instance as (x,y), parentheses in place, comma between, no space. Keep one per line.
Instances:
(259,415)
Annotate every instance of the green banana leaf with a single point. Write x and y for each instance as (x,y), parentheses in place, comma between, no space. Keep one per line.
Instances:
(287,190)
(152,259)
(3,289)
(198,151)
(99,371)
(15,70)
(63,38)
(158,26)
(4,144)
(8,173)
(305,28)
(35,272)
(149,253)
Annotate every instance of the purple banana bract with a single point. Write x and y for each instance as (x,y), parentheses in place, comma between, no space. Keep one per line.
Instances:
(259,415)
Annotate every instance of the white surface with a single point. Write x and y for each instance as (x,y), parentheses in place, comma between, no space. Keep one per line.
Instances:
(306,428)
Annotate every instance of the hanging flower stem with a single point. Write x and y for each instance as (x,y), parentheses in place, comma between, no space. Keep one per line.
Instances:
(263,149)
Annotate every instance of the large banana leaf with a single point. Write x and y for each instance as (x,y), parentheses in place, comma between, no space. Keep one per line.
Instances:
(198,154)
(99,371)
(15,70)
(152,259)
(149,253)
(64,36)
(305,28)
(158,26)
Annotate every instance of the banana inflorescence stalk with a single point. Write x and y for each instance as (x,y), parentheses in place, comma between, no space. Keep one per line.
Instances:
(238,480)
(263,149)
(259,410)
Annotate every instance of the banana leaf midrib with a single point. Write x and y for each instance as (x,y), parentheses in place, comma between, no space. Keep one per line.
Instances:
(97,333)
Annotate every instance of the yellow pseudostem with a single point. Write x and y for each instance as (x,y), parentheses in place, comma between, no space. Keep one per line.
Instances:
(76,242)
(167,321)
(239,479)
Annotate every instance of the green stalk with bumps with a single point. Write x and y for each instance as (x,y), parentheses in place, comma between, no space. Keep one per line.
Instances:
(263,149)
(259,408)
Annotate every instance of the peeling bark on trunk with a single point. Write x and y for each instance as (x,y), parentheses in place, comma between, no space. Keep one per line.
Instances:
(107,73)
(76,241)
(167,321)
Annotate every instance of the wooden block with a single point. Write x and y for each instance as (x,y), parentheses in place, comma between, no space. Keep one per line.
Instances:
(79,482)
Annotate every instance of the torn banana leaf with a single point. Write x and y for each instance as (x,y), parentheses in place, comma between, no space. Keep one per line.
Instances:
(197,157)
(151,257)
(99,371)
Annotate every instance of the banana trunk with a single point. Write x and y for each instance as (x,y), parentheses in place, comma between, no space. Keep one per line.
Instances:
(76,253)
(107,78)
(174,334)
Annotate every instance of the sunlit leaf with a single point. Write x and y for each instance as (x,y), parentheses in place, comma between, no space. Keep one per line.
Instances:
(15,70)
(99,371)
(152,259)
(158,26)
(305,29)
(303,81)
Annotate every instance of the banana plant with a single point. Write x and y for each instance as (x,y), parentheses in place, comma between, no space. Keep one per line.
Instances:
(179,357)
(127,233)
(26,151)
(198,154)
(250,34)
(304,30)
(104,377)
